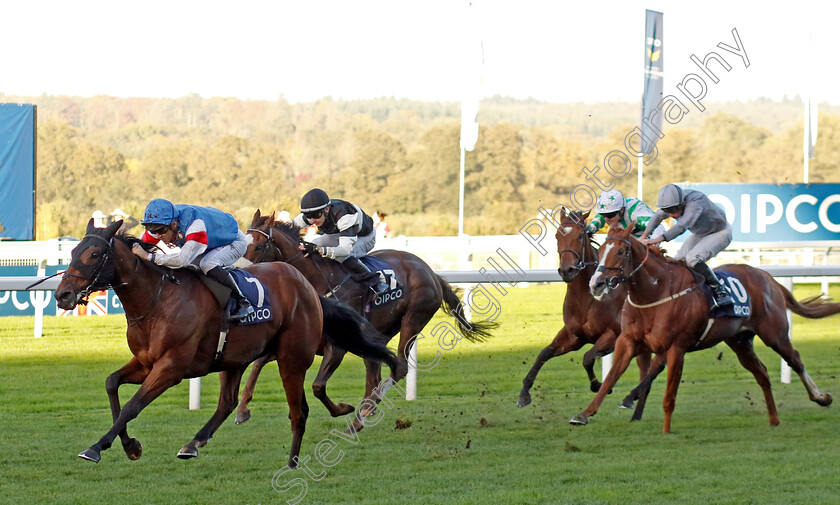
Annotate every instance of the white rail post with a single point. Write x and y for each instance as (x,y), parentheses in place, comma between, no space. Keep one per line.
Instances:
(195,393)
(606,364)
(39,304)
(785,373)
(411,376)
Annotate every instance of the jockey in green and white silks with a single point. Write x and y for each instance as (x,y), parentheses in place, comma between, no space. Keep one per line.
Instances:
(614,209)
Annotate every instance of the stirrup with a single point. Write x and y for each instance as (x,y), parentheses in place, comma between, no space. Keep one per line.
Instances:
(721,299)
(380,288)
(242,311)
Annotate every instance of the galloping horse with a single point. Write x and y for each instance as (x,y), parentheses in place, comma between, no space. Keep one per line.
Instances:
(585,320)
(666,312)
(173,333)
(424,292)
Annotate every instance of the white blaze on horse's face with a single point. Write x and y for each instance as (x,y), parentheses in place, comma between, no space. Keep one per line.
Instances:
(567,230)
(598,282)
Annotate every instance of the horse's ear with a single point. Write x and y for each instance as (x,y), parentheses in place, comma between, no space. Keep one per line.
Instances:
(271,219)
(113,227)
(90,227)
(632,228)
(562,212)
(584,217)
(255,219)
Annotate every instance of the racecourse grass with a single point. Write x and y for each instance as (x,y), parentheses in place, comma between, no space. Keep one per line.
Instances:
(467,441)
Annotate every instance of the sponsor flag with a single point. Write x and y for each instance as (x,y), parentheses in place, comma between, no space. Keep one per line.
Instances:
(654,67)
(473,62)
(97,306)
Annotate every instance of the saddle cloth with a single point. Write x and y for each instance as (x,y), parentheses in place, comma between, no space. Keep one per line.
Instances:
(388,276)
(740,298)
(251,287)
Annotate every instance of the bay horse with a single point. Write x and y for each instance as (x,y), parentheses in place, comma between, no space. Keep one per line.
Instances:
(424,293)
(174,327)
(585,319)
(667,313)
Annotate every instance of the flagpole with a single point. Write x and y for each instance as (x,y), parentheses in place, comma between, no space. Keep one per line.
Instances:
(461,196)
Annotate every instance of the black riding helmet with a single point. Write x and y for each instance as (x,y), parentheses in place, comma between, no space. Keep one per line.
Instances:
(314,200)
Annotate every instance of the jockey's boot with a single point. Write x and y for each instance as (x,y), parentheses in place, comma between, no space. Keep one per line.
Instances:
(721,295)
(243,307)
(357,267)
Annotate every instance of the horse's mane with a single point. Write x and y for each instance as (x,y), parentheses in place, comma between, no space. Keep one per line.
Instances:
(290,229)
(130,240)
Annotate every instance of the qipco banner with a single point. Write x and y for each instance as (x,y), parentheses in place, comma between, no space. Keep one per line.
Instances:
(24,303)
(778,213)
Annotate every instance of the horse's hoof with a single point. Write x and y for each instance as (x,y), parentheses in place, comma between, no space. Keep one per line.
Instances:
(343,408)
(579,420)
(357,427)
(241,417)
(626,404)
(826,400)
(188,452)
(524,400)
(133,449)
(91,455)
(594,386)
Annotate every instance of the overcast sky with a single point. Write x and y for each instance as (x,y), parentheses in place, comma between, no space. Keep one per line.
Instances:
(303,50)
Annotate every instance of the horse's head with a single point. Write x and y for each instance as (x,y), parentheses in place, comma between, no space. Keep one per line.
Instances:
(615,261)
(271,240)
(572,243)
(260,246)
(91,266)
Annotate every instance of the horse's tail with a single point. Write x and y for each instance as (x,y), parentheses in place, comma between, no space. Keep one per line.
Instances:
(813,307)
(474,332)
(345,328)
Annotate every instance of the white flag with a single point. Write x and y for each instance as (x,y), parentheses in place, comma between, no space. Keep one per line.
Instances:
(473,64)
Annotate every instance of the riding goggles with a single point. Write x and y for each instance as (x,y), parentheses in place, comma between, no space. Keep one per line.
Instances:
(314,214)
(157,231)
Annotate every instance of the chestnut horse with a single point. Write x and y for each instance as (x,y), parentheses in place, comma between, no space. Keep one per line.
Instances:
(173,331)
(585,320)
(667,313)
(424,293)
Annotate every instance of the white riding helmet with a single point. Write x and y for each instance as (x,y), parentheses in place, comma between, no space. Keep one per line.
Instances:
(610,201)
(669,196)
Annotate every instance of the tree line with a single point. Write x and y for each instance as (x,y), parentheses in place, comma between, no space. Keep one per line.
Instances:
(397,156)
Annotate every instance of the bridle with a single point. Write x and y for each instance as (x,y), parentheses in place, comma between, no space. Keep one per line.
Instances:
(268,245)
(615,280)
(581,264)
(264,248)
(82,296)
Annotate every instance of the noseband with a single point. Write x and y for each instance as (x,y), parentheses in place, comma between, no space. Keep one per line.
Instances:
(615,280)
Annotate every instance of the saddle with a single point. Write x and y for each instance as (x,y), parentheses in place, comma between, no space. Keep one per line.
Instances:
(740,298)
(250,286)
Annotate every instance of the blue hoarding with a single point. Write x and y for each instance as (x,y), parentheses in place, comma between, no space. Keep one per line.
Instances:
(778,213)
(17,171)
(23,303)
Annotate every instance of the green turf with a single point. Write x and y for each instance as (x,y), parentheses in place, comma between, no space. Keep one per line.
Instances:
(467,441)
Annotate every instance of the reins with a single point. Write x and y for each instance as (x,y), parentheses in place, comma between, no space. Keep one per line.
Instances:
(270,240)
(613,281)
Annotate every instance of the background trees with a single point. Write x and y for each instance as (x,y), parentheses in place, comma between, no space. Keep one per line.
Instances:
(398,156)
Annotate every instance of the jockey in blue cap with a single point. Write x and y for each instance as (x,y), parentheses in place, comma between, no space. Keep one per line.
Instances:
(347,232)
(204,233)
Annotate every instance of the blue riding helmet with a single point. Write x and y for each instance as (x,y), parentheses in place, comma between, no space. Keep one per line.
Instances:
(159,211)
